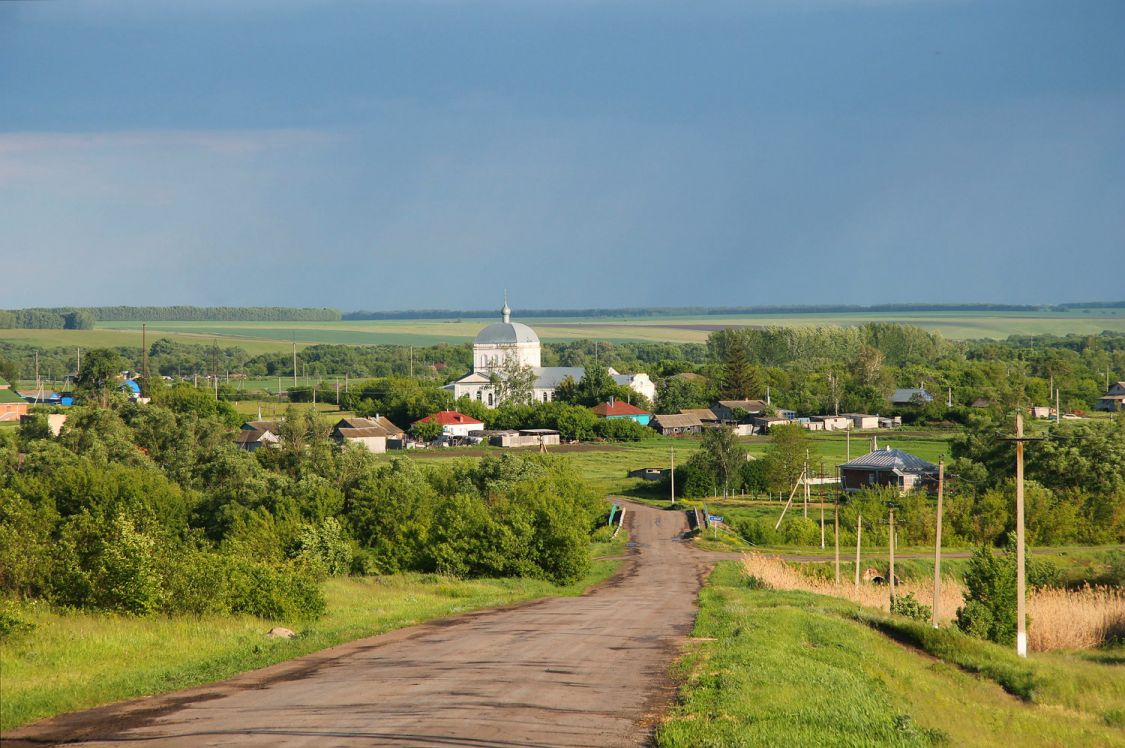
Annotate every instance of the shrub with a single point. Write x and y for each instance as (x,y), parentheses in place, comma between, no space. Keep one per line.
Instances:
(324,548)
(989,611)
(907,605)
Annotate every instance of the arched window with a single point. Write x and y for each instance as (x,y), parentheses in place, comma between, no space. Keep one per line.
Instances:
(478,396)
(490,399)
(546,397)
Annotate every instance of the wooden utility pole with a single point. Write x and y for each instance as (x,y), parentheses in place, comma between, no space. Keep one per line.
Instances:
(891,544)
(937,540)
(858,541)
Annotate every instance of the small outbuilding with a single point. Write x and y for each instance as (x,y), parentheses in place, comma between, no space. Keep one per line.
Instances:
(12,406)
(454,423)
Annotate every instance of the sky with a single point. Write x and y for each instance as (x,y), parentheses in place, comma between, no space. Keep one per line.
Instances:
(429,154)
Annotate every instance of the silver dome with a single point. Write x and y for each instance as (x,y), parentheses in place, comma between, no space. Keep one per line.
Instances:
(506,333)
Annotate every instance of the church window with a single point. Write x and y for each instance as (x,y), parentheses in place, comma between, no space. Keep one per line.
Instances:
(490,399)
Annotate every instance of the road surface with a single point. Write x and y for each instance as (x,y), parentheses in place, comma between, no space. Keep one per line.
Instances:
(585,671)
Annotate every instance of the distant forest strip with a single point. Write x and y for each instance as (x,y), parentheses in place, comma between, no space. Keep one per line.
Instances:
(716,311)
(83,318)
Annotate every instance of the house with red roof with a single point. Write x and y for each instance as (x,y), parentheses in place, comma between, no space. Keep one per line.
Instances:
(454,423)
(616,409)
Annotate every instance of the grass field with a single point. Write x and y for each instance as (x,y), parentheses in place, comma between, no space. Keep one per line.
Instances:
(262,337)
(72,661)
(793,668)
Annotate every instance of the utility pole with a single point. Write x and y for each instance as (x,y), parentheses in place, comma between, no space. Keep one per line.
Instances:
(673,476)
(837,532)
(1021,575)
(858,542)
(144,355)
(806,482)
(411,362)
(79,368)
(820,474)
(294,363)
(891,543)
(1058,413)
(937,539)
(849,433)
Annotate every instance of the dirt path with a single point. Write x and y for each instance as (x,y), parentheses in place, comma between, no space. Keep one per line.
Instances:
(586,671)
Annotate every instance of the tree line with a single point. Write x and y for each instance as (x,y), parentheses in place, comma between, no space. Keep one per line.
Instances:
(61,317)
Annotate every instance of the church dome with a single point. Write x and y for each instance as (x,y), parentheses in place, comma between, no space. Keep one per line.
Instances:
(500,333)
(506,332)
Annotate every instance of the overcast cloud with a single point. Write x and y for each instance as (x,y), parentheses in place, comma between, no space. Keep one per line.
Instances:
(399,155)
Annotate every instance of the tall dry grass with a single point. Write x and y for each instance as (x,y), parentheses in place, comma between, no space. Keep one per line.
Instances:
(1058,619)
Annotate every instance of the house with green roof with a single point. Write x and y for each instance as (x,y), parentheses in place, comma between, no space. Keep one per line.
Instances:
(12,406)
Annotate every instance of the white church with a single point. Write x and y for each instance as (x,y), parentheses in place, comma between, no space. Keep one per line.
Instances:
(505,340)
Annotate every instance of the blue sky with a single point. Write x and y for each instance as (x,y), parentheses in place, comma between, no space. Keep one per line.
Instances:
(426,154)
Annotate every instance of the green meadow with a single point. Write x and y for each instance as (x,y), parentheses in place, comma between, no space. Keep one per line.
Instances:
(797,669)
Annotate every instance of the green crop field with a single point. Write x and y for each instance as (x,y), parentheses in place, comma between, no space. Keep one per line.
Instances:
(261,337)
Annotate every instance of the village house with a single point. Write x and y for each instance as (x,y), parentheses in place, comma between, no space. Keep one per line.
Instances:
(705,415)
(12,406)
(1042,411)
(888,467)
(762,424)
(616,410)
(676,424)
(370,433)
(507,341)
(454,424)
(252,439)
(1114,398)
(738,411)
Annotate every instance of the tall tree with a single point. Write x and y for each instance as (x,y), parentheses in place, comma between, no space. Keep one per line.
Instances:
(741,379)
(726,456)
(513,383)
(785,456)
(100,369)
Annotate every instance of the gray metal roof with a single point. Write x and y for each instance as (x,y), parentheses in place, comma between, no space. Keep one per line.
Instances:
(892,459)
(552,376)
(506,332)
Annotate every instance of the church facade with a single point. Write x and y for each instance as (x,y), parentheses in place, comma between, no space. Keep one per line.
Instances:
(506,340)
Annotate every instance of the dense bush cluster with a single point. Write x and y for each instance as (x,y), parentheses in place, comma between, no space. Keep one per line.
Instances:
(146,509)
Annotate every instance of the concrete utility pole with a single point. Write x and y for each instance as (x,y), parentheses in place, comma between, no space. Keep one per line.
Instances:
(891,543)
(858,541)
(294,363)
(673,476)
(1021,576)
(79,371)
(806,482)
(144,356)
(937,540)
(837,532)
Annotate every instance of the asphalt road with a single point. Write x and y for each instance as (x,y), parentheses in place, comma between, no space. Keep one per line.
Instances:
(585,671)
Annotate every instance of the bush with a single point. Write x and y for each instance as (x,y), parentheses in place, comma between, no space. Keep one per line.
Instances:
(907,605)
(989,611)
(623,430)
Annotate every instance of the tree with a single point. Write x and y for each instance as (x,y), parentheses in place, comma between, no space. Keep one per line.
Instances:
(98,379)
(726,456)
(785,456)
(513,383)
(741,379)
(427,431)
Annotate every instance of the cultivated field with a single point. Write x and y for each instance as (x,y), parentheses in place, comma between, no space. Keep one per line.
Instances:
(260,337)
